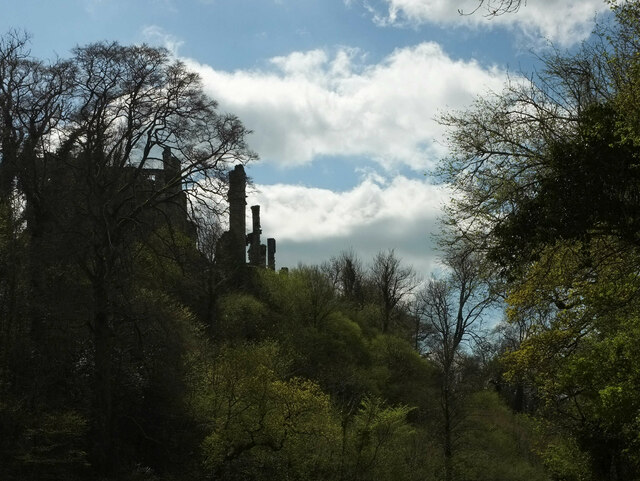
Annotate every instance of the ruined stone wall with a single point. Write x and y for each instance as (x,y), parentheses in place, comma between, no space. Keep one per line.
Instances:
(231,252)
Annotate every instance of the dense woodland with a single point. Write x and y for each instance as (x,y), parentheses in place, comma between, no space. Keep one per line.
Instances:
(130,350)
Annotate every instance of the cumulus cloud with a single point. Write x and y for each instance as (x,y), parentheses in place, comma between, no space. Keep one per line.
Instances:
(564,22)
(312,224)
(318,103)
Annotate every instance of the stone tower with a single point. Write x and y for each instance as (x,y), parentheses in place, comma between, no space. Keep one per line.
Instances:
(271,253)
(255,257)
(231,255)
(171,167)
(237,222)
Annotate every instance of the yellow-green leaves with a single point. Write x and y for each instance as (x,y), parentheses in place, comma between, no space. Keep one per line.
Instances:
(257,416)
(582,352)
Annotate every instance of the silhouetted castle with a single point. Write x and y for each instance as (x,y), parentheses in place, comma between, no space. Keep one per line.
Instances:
(160,190)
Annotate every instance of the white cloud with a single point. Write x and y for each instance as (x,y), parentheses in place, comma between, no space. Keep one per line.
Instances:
(312,224)
(564,22)
(316,103)
(158,36)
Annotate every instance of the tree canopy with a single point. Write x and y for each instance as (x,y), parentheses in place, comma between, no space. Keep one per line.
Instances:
(546,187)
(126,352)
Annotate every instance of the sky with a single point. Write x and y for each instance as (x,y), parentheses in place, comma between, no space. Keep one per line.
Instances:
(342,97)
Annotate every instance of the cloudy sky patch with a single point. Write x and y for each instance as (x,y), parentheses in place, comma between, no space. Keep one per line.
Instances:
(321,103)
(564,23)
(376,215)
(341,95)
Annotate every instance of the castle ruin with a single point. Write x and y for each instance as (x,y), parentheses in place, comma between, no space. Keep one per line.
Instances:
(231,252)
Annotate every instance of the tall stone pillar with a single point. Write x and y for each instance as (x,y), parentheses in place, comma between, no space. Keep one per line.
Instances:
(237,221)
(254,238)
(271,253)
(263,255)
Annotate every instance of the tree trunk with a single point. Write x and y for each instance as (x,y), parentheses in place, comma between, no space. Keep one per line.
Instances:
(448,447)
(386,320)
(103,415)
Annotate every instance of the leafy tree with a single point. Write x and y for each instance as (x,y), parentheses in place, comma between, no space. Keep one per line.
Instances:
(378,436)
(260,424)
(546,178)
(325,343)
(553,158)
(402,376)
(498,444)
(582,357)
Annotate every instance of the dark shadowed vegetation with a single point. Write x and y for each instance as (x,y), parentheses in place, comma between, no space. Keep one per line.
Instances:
(132,349)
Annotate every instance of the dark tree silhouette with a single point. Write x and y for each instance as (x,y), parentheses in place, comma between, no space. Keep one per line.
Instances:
(104,149)
(130,104)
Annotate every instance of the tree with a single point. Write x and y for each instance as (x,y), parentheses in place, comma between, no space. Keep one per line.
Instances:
(129,103)
(452,311)
(112,148)
(523,162)
(33,102)
(496,7)
(377,435)
(580,353)
(347,274)
(547,182)
(259,423)
(393,282)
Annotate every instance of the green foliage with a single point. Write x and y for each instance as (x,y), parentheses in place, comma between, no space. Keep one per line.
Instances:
(401,375)
(562,456)
(547,177)
(336,356)
(45,446)
(259,424)
(303,297)
(377,442)
(497,444)
(587,187)
(582,357)
(242,316)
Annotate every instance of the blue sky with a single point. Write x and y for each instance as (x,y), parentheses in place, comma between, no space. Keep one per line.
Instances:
(342,96)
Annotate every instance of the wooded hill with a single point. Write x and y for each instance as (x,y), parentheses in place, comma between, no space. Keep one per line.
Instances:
(128,352)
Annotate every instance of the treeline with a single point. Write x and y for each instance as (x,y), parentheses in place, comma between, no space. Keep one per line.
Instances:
(305,375)
(128,350)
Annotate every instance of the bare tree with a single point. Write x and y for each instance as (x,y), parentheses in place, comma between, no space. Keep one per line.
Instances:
(452,310)
(33,102)
(393,283)
(317,293)
(493,8)
(209,234)
(347,275)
